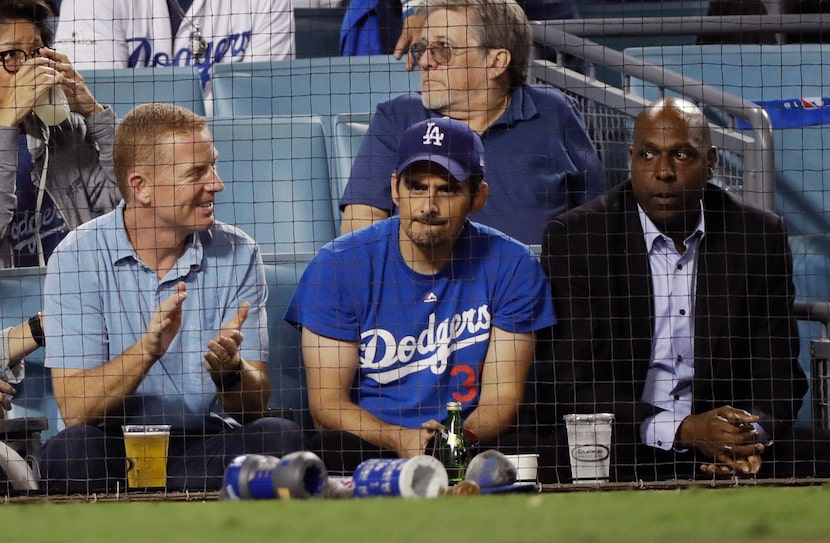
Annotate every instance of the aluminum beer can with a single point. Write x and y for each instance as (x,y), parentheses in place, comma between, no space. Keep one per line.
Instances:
(247,477)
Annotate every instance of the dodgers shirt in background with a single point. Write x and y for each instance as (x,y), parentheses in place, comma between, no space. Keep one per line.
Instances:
(109,34)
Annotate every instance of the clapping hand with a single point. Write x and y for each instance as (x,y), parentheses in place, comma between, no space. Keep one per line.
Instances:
(223,355)
(165,323)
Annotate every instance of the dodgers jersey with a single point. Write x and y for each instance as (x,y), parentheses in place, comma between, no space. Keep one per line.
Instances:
(138,33)
(423,338)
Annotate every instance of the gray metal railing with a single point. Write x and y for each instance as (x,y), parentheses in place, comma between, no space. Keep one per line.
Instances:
(757,150)
(570,38)
(689,25)
(819,359)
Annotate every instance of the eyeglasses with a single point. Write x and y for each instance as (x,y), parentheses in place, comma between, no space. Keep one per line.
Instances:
(441,51)
(13,59)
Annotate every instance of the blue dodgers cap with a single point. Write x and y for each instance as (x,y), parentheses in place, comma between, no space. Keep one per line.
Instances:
(443,141)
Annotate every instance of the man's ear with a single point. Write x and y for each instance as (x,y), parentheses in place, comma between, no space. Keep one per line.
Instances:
(499,60)
(480,198)
(395,196)
(712,160)
(140,188)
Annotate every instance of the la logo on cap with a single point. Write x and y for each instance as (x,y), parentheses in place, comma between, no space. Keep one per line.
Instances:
(433,135)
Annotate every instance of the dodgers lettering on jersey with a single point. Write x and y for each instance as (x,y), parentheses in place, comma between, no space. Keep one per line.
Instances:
(233,45)
(385,358)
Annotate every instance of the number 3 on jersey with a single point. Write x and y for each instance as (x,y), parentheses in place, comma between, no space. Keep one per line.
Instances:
(469,383)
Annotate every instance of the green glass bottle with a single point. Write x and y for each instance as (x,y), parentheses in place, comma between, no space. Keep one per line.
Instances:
(451,445)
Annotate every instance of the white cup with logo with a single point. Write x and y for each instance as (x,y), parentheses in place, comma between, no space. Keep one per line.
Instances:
(589,446)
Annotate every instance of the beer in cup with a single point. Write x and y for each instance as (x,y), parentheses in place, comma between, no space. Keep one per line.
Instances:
(146,447)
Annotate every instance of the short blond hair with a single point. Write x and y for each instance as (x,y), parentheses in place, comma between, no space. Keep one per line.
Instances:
(142,130)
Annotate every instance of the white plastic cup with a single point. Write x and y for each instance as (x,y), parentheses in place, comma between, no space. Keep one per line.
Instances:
(52,106)
(589,445)
(527,467)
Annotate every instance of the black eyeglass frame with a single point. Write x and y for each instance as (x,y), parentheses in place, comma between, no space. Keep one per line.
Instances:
(4,55)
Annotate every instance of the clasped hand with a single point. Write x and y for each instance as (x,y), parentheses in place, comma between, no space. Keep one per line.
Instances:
(414,441)
(728,437)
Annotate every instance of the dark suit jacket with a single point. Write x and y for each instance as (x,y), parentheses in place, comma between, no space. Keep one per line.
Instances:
(746,341)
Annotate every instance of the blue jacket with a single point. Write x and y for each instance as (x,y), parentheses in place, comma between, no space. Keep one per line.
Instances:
(360,33)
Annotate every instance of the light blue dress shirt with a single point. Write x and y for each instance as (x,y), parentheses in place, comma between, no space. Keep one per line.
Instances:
(99,297)
(672,369)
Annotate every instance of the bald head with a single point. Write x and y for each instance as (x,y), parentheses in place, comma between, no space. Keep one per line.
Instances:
(683,110)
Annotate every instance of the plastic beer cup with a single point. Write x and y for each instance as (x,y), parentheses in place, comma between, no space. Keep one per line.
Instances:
(146,448)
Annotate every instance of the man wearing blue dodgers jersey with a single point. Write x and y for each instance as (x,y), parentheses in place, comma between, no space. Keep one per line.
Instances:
(419,309)
(153,33)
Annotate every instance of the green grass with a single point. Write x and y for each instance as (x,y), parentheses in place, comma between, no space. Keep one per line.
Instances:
(751,514)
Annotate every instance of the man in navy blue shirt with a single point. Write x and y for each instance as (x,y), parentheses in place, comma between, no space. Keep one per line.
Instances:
(473,57)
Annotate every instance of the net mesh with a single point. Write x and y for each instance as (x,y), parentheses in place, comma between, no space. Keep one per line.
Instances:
(286,120)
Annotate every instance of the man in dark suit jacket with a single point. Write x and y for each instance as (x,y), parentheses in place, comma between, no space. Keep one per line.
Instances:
(675,314)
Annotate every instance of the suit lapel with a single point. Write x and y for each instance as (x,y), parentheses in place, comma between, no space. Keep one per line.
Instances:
(633,286)
(712,290)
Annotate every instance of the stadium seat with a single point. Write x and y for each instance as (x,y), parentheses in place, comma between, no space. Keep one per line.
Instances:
(34,416)
(614,9)
(277,182)
(756,72)
(611,9)
(285,370)
(348,129)
(317,86)
(124,88)
(637,10)
(34,407)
